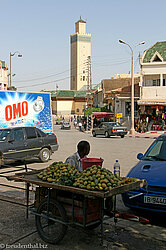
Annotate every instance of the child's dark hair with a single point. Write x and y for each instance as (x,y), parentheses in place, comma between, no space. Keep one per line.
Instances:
(82,145)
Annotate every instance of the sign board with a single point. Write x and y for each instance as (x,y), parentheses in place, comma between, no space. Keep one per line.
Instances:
(118,115)
(25,109)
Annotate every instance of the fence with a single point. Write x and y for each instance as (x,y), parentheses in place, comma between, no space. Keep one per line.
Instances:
(5,171)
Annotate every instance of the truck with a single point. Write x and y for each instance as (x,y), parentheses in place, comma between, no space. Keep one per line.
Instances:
(22,109)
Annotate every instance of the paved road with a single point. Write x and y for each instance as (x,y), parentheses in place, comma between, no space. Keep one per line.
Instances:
(16,229)
(110,149)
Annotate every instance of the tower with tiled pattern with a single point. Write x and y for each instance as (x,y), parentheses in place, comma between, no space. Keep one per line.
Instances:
(80,56)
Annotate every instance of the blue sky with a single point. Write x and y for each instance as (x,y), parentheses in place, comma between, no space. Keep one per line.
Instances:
(40,30)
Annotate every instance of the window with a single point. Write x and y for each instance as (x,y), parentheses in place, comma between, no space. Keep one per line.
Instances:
(4,134)
(17,134)
(30,133)
(40,133)
(83,71)
(156,82)
(157,59)
(83,78)
(77,110)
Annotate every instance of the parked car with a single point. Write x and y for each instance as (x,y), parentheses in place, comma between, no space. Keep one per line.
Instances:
(152,168)
(59,122)
(110,129)
(21,143)
(66,125)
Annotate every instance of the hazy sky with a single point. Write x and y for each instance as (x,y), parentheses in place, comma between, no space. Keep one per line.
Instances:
(40,30)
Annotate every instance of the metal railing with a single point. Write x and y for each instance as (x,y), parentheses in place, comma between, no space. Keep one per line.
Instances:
(5,170)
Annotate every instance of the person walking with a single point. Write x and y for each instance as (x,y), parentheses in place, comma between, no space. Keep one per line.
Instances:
(163,124)
(75,123)
(85,125)
(80,126)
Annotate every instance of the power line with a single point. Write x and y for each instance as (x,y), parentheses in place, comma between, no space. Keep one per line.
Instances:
(58,80)
(45,83)
(51,75)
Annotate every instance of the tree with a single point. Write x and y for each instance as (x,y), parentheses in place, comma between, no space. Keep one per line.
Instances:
(12,88)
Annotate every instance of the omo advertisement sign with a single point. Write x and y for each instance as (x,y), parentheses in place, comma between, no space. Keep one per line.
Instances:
(25,109)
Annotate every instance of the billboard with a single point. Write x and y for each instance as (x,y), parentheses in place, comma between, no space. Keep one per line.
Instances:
(25,109)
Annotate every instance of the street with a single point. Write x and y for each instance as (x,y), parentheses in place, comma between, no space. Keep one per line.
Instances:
(110,149)
(124,236)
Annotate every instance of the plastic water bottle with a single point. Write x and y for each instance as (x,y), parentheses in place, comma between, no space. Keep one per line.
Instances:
(117,168)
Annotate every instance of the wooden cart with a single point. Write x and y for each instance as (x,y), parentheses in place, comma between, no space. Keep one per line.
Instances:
(58,206)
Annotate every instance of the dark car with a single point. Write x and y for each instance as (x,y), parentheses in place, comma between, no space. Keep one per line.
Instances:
(152,168)
(110,129)
(21,143)
(66,125)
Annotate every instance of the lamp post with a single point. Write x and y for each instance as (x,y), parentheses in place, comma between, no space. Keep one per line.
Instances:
(10,74)
(132,129)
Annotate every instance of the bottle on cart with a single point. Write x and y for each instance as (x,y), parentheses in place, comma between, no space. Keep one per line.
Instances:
(117,168)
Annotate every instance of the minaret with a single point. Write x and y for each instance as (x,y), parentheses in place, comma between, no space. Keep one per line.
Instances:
(80,61)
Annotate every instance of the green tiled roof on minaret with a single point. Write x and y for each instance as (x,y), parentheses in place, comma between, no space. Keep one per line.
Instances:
(159,47)
(80,20)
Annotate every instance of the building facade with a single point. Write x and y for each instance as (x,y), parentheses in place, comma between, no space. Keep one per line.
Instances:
(69,102)
(3,75)
(80,57)
(153,80)
(116,94)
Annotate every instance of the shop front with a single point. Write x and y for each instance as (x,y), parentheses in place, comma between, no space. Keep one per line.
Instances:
(152,114)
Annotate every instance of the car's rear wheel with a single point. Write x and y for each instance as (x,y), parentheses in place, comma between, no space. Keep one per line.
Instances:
(44,154)
(94,134)
(107,134)
(122,136)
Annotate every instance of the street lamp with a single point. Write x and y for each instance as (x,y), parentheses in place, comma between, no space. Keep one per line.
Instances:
(10,74)
(132,129)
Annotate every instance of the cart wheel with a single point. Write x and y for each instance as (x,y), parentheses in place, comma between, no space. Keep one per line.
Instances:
(49,230)
(91,227)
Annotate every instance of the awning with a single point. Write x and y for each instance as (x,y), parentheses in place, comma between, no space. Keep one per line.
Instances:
(152,102)
(102,114)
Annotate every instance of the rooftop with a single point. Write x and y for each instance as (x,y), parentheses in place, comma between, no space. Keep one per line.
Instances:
(160,48)
(80,20)
(69,93)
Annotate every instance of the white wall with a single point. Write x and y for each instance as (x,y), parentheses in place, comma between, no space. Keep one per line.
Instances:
(154,92)
(153,68)
(64,107)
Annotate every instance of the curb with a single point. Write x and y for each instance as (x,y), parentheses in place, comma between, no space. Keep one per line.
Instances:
(137,136)
(150,134)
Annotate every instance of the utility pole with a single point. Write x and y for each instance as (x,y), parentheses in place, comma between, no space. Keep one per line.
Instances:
(10,74)
(132,129)
(88,89)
